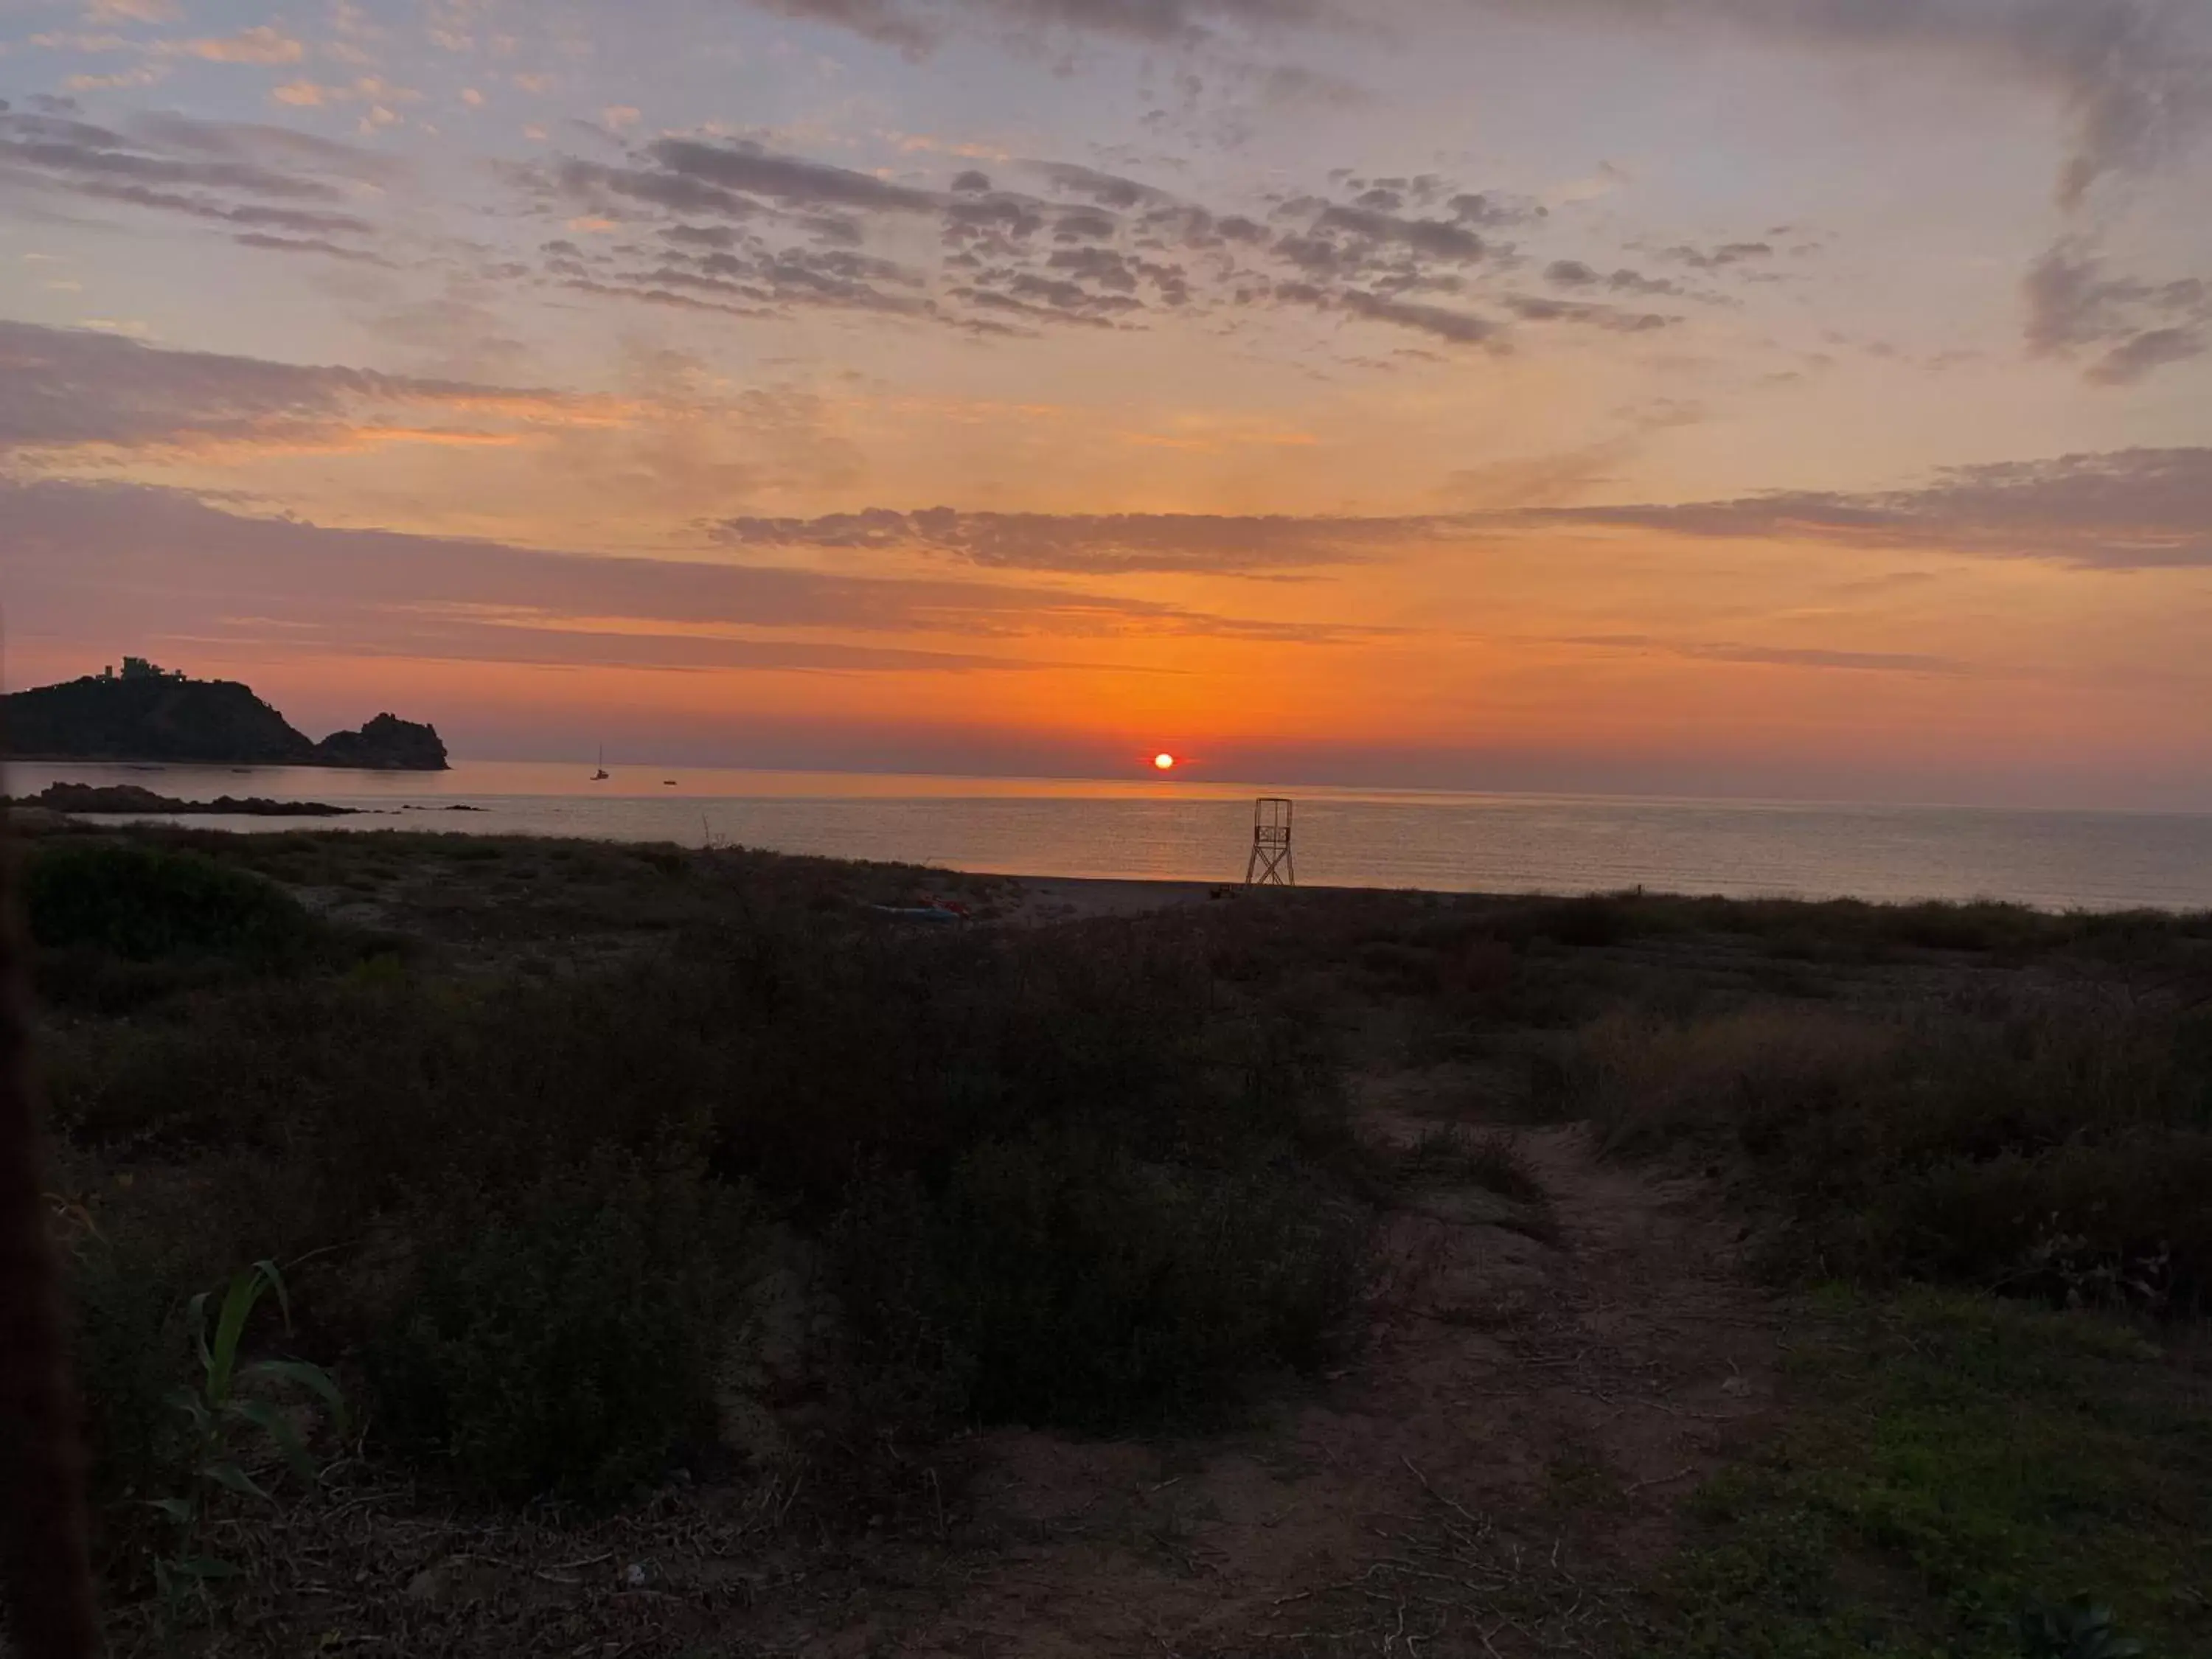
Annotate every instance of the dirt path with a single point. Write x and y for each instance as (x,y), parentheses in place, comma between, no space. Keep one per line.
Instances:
(1504,1455)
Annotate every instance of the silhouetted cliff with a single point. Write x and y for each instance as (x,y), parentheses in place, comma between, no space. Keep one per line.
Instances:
(162,717)
(387,743)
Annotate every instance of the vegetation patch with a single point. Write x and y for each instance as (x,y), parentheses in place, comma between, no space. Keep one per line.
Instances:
(571,1345)
(2038,1142)
(1954,1465)
(1061,1279)
(142,902)
(696,1193)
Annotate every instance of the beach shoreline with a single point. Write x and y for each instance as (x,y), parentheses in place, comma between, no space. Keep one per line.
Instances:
(1019,895)
(2051,861)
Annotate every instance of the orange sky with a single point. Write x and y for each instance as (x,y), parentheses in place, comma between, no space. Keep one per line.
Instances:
(1481,397)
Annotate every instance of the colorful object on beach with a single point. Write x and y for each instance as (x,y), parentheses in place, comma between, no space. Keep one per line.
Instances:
(929,909)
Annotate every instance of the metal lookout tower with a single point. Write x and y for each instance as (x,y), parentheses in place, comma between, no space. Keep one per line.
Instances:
(1270,864)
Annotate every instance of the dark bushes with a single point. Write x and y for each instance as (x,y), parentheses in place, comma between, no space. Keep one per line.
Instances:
(121,925)
(2127,1221)
(2057,1146)
(141,903)
(571,1343)
(385,1086)
(1586,923)
(886,1049)
(1058,1279)
(129,1347)
(1102,1200)
(1071,1178)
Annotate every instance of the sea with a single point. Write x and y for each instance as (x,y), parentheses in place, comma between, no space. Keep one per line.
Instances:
(1191,831)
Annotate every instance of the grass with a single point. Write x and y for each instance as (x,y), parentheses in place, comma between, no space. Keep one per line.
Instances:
(2052,1143)
(2005,1411)
(1952,1461)
(571,1345)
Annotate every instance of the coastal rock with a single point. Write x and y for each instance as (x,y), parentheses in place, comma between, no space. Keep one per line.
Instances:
(387,743)
(147,714)
(129,798)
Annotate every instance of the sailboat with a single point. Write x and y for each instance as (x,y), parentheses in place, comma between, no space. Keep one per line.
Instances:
(600,775)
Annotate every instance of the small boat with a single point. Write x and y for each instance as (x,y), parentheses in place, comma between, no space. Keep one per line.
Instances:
(600,776)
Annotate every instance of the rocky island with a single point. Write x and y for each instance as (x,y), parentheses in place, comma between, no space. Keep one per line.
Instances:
(150,713)
(129,797)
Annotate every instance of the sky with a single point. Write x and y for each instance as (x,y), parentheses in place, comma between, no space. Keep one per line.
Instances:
(1785,399)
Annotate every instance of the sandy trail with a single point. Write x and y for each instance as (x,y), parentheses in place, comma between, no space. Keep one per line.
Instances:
(1510,1442)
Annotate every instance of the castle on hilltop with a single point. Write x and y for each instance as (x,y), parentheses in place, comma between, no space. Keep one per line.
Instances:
(138,668)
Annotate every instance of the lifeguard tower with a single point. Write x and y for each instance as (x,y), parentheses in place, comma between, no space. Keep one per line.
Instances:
(1270,864)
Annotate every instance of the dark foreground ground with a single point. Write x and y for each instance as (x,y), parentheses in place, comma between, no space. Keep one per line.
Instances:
(707,1261)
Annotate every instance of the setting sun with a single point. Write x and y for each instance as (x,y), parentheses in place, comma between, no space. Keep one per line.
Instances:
(1164,761)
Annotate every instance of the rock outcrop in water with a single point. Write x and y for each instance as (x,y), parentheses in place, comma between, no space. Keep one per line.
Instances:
(387,743)
(129,798)
(146,714)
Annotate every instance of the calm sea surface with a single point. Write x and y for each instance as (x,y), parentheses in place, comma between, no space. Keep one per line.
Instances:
(1344,837)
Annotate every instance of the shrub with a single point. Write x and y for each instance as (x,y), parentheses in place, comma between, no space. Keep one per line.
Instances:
(570,1345)
(1645,1081)
(1498,1164)
(1059,1279)
(563,1342)
(886,1049)
(1595,921)
(142,903)
(2123,1224)
(494,1089)
(2057,1147)
(386,1085)
(1391,965)
(127,1354)
(800,1050)
(1982,926)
